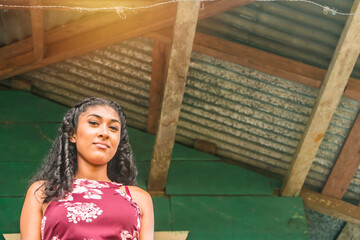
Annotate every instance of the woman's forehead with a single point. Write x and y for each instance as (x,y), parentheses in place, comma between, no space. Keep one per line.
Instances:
(102,111)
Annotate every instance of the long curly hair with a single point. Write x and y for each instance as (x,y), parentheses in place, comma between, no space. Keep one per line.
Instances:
(60,165)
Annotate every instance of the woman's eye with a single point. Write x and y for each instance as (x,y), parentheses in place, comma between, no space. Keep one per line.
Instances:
(114,128)
(93,122)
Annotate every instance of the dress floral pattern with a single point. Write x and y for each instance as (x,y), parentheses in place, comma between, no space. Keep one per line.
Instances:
(92,202)
(82,211)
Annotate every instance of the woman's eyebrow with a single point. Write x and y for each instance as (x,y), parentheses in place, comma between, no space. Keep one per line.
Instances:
(98,116)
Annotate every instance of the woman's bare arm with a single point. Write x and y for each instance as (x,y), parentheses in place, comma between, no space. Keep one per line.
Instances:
(143,199)
(31,214)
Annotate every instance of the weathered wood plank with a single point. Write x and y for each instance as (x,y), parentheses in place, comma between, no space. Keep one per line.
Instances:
(68,5)
(144,22)
(346,165)
(350,231)
(37,25)
(331,91)
(158,76)
(60,33)
(178,66)
(260,60)
(331,206)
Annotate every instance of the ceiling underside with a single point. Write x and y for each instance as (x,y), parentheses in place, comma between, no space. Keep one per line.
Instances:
(252,117)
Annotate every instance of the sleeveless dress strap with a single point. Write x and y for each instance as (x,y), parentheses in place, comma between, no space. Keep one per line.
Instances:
(128,191)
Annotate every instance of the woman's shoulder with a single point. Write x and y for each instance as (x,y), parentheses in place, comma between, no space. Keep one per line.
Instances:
(141,197)
(36,190)
(137,192)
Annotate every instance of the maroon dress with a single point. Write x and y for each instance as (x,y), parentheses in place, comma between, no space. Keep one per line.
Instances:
(94,210)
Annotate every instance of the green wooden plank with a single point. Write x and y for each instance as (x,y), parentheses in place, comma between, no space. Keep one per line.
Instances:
(26,142)
(143,172)
(252,218)
(10,210)
(15,177)
(18,106)
(142,144)
(162,213)
(216,178)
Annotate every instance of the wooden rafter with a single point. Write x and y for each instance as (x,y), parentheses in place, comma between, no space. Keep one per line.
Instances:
(331,206)
(86,24)
(331,91)
(260,60)
(158,76)
(64,45)
(37,25)
(346,165)
(179,60)
(69,5)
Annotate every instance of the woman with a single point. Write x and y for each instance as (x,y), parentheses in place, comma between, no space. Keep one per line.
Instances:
(85,188)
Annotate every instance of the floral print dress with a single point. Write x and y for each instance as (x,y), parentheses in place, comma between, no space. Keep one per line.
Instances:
(94,210)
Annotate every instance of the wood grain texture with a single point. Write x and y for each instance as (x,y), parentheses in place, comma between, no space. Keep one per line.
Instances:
(331,91)
(69,5)
(178,66)
(331,206)
(158,76)
(37,26)
(346,165)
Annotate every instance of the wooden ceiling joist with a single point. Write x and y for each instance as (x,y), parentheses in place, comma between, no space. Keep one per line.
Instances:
(85,24)
(74,41)
(178,65)
(346,165)
(333,207)
(331,91)
(69,5)
(259,60)
(37,26)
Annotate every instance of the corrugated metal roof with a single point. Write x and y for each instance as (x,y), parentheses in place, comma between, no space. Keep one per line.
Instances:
(121,72)
(258,119)
(252,117)
(297,30)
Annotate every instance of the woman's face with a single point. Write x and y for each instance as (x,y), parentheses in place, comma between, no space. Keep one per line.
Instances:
(98,135)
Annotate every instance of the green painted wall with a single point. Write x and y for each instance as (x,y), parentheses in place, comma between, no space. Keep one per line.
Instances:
(211,199)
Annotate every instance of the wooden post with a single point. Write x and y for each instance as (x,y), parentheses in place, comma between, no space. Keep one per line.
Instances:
(158,75)
(37,25)
(341,66)
(180,53)
(346,165)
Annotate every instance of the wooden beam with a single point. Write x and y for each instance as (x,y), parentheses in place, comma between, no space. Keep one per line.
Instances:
(179,60)
(144,22)
(85,24)
(68,5)
(331,91)
(260,60)
(37,26)
(346,165)
(333,207)
(158,76)
(350,231)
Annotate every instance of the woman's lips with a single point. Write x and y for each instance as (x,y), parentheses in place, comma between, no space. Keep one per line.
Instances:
(102,145)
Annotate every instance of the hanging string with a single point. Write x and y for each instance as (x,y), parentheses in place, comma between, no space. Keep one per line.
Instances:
(326,9)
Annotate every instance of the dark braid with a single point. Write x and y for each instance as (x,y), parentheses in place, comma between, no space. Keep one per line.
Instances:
(60,166)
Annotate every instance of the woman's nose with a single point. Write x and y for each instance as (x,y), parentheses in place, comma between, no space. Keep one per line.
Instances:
(103,131)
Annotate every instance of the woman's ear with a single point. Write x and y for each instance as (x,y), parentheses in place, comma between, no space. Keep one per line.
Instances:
(72,138)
